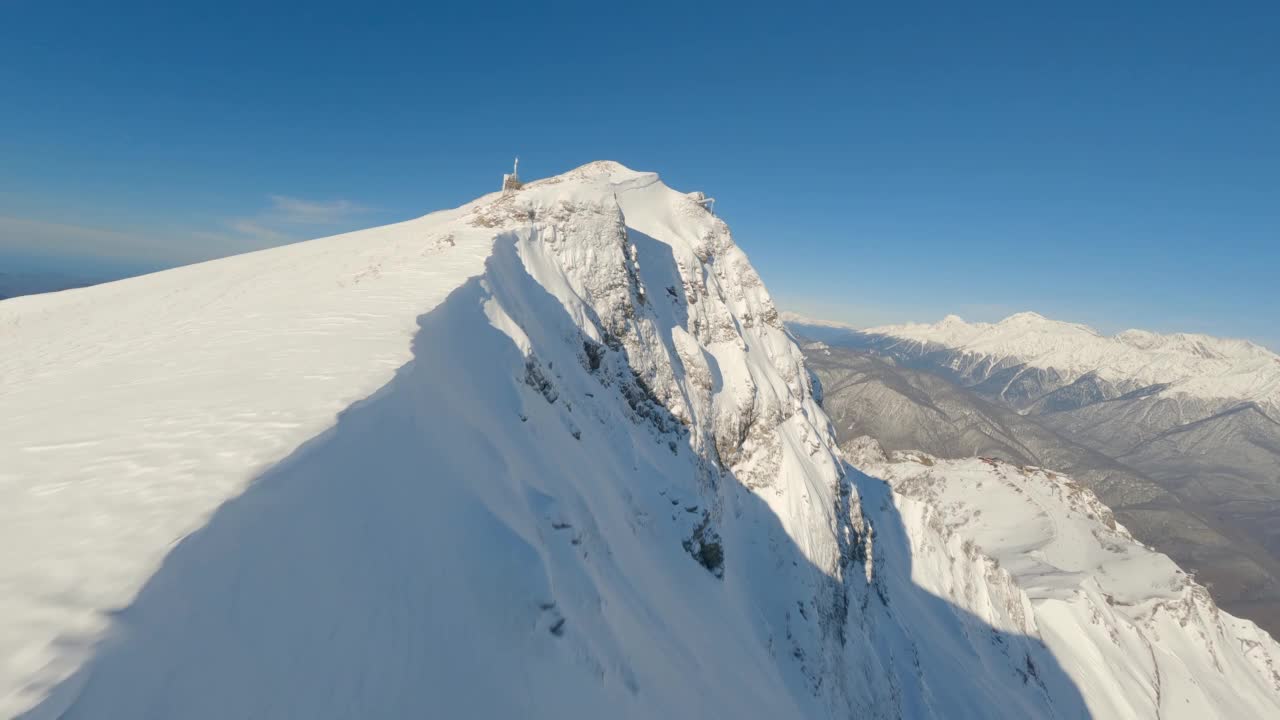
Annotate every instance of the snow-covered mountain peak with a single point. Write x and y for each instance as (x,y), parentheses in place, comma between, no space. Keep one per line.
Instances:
(610,169)
(1024,318)
(563,421)
(1195,344)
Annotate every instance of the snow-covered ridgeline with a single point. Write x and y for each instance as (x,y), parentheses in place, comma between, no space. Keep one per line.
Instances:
(1198,366)
(587,377)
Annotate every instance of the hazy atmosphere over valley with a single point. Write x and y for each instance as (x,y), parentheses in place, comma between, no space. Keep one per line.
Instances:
(674,361)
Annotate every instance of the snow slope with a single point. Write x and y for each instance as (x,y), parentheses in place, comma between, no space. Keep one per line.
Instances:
(131,410)
(1198,366)
(549,454)
(1138,635)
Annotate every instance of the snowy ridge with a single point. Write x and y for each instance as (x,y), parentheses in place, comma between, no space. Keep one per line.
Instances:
(1198,366)
(574,422)
(550,454)
(1139,636)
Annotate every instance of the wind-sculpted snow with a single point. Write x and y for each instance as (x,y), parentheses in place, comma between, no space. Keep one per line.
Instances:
(550,454)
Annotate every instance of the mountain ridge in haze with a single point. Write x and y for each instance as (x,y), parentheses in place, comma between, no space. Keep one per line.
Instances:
(1194,423)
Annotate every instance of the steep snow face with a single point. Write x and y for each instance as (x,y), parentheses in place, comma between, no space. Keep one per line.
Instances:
(1197,366)
(1138,636)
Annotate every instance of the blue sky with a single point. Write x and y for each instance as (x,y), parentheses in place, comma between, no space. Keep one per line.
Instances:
(1118,166)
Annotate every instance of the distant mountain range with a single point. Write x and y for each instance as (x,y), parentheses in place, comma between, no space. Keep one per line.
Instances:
(1179,433)
(1020,357)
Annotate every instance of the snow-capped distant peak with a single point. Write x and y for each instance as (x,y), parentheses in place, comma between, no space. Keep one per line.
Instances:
(1022,317)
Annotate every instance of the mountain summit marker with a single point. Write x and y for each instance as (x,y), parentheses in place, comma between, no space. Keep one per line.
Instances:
(512,181)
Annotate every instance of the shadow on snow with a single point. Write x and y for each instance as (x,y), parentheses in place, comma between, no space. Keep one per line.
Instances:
(450,548)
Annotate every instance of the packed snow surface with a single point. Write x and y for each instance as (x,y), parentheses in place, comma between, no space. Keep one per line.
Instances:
(549,454)
(1197,365)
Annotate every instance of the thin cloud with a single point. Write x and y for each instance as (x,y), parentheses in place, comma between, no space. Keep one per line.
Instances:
(287,219)
(257,231)
(283,219)
(296,211)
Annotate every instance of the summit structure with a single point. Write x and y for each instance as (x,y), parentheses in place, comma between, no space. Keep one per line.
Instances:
(511,181)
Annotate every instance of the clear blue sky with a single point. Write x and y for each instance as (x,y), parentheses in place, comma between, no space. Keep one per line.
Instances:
(1111,163)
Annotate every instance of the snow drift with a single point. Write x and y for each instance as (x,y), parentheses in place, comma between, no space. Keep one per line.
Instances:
(549,454)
